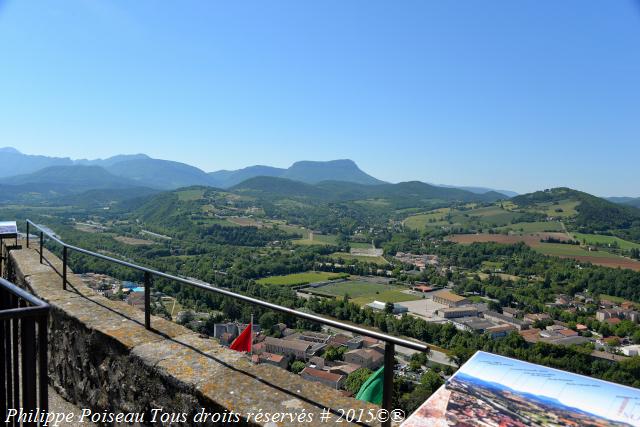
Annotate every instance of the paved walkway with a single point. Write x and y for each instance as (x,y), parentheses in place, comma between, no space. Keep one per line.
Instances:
(58,404)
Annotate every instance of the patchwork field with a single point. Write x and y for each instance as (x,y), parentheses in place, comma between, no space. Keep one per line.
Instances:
(317,239)
(488,216)
(533,227)
(601,257)
(348,257)
(300,278)
(432,218)
(613,262)
(360,245)
(615,299)
(244,221)
(600,240)
(563,209)
(190,195)
(530,239)
(133,241)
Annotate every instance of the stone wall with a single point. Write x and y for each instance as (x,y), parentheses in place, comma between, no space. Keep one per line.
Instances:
(101,357)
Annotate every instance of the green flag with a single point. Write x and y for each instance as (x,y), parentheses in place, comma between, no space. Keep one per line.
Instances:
(371,390)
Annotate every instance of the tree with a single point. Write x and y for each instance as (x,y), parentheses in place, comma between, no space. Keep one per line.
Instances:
(267,321)
(297,366)
(356,379)
(460,354)
(429,383)
(334,353)
(185,317)
(388,308)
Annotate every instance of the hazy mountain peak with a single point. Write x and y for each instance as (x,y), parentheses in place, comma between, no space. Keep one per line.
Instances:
(336,170)
(9,150)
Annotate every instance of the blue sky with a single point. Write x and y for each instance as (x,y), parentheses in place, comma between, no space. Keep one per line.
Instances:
(516,95)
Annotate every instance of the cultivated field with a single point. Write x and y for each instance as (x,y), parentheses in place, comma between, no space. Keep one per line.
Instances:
(530,239)
(190,195)
(597,239)
(244,221)
(603,258)
(487,217)
(614,262)
(133,241)
(317,239)
(300,278)
(348,257)
(533,227)
(563,209)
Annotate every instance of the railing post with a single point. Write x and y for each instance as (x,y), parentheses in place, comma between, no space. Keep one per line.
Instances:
(41,245)
(29,380)
(147,300)
(387,391)
(27,234)
(64,268)
(42,362)
(2,256)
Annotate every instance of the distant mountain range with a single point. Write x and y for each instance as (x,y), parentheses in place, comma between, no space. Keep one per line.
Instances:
(480,190)
(305,171)
(413,193)
(141,170)
(630,201)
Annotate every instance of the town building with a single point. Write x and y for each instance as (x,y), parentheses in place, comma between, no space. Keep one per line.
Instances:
(338,340)
(317,337)
(534,317)
(472,324)
(344,369)
(298,349)
(365,358)
(511,312)
(453,312)
(422,288)
(271,359)
(500,331)
(330,379)
(449,299)
(494,316)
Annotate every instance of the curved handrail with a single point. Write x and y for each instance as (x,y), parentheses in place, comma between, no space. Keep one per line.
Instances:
(208,287)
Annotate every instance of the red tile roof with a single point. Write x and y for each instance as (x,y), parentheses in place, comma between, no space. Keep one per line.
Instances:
(318,373)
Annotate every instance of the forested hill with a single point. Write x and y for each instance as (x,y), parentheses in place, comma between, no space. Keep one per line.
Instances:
(593,214)
(73,178)
(402,195)
(630,201)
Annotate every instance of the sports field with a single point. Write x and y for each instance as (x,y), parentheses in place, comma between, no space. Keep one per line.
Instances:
(363,292)
(301,278)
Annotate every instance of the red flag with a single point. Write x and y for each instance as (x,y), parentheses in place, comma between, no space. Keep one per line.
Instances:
(244,340)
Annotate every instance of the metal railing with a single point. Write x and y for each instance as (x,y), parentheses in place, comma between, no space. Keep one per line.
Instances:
(390,341)
(23,353)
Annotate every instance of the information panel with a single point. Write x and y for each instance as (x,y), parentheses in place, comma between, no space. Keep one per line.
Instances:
(496,390)
(8,229)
